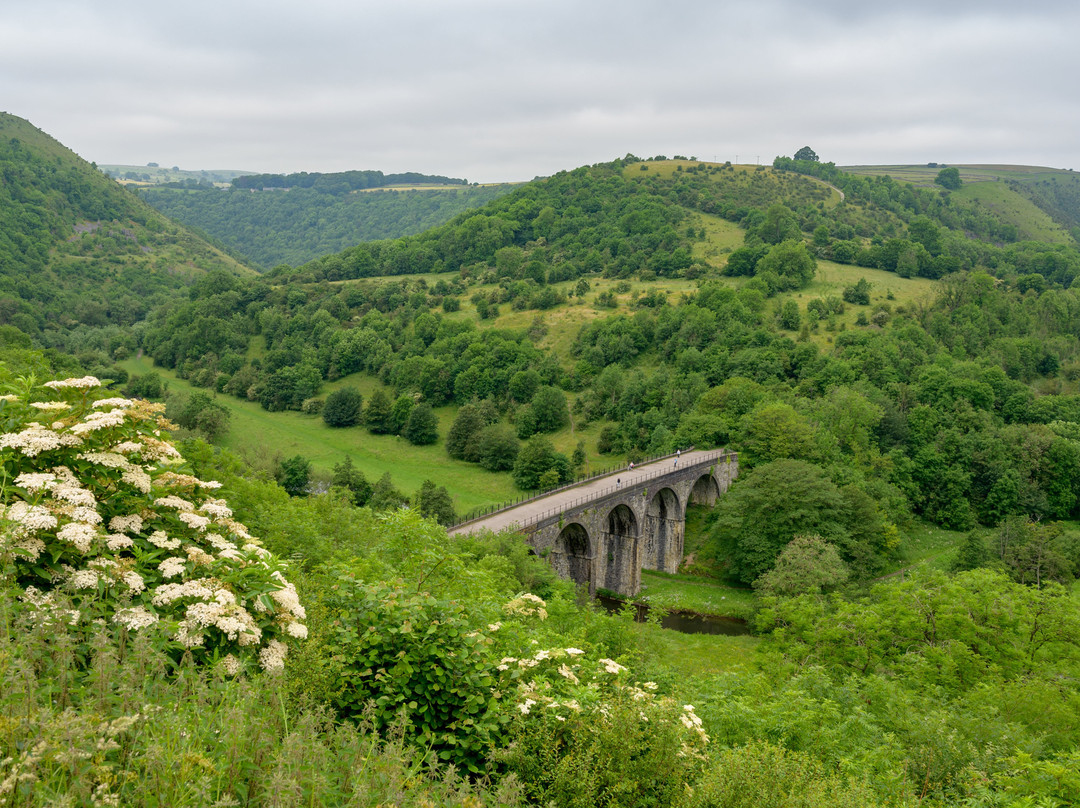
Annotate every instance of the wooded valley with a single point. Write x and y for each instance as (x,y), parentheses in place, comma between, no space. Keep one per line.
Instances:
(226,572)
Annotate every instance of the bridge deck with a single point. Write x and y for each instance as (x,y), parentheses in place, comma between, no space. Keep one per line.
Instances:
(534,510)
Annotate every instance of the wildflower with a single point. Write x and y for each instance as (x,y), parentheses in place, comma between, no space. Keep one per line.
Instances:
(30,518)
(112,402)
(566,673)
(574,652)
(611,666)
(79,534)
(272,657)
(159,538)
(134,581)
(193,520)
(36,482)
(99,420)
(83,579)
(175,502)
(525,706)
(84,383)
(135,618)
(231,664)
(126,524)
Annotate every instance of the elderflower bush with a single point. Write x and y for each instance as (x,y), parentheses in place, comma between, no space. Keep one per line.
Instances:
(585,733)
(99,524)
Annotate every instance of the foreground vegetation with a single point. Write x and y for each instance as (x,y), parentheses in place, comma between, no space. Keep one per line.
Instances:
(421,652)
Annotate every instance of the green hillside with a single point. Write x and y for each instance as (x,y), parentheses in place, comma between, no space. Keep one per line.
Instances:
(77,250)
(1044,203)
(276,227)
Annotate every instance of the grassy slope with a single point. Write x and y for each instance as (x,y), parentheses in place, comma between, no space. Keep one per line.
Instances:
(260,436)
(989,185)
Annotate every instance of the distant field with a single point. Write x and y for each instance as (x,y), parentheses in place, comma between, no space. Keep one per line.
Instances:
(925,175)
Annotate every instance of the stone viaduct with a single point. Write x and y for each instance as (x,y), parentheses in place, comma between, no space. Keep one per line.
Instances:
(603,532)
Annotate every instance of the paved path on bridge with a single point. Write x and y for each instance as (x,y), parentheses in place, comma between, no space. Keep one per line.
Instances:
(528,512)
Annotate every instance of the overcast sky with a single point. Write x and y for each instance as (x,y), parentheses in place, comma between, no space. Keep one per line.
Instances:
(511,89)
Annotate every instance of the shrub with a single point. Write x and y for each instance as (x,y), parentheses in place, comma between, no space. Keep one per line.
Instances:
(100,524)
(344,407)
(409,653)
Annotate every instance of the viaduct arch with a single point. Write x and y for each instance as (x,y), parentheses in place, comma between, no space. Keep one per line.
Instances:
(602,533)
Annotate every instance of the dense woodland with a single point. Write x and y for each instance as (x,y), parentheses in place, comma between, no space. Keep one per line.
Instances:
(951,684)
(319,214)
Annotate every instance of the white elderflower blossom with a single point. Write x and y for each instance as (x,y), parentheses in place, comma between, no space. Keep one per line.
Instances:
(36,439)
(84,383)
(216,508)
(611,666)
(128,447)
(134,581)
(298,630)
(231,664)
(83,579)
(49,405)
(159,538)
(167,593)
(272,657)
(287,598)
(574,652)
(566,673)
(135,618)
(171,567)
(112,402)
(36,481)
(79,534)
(126,524)
(74,494)
(197,556)
(99,420)
(137,478)
(30,518)
(194,520)
(174,502)
(117,542)
(525,706)
(526,604)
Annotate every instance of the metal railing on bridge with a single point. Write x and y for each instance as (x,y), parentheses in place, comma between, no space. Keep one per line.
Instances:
(482,513)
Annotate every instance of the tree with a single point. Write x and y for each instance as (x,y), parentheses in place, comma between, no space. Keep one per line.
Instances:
(434,503)
(377,413)
(422,427)
(536,457)
(463,432)
(343,407)
(949,178)
(808,565)
(400,412)
(385,497)
(791,262)
(495,447)
(779,225)
(806,153)
(347,476)
(294,475)
(789,315)
(768,507)
(550,410)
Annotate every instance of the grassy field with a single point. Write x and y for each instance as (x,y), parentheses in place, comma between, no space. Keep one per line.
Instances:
(696,594)
(260,436)
(925,175)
